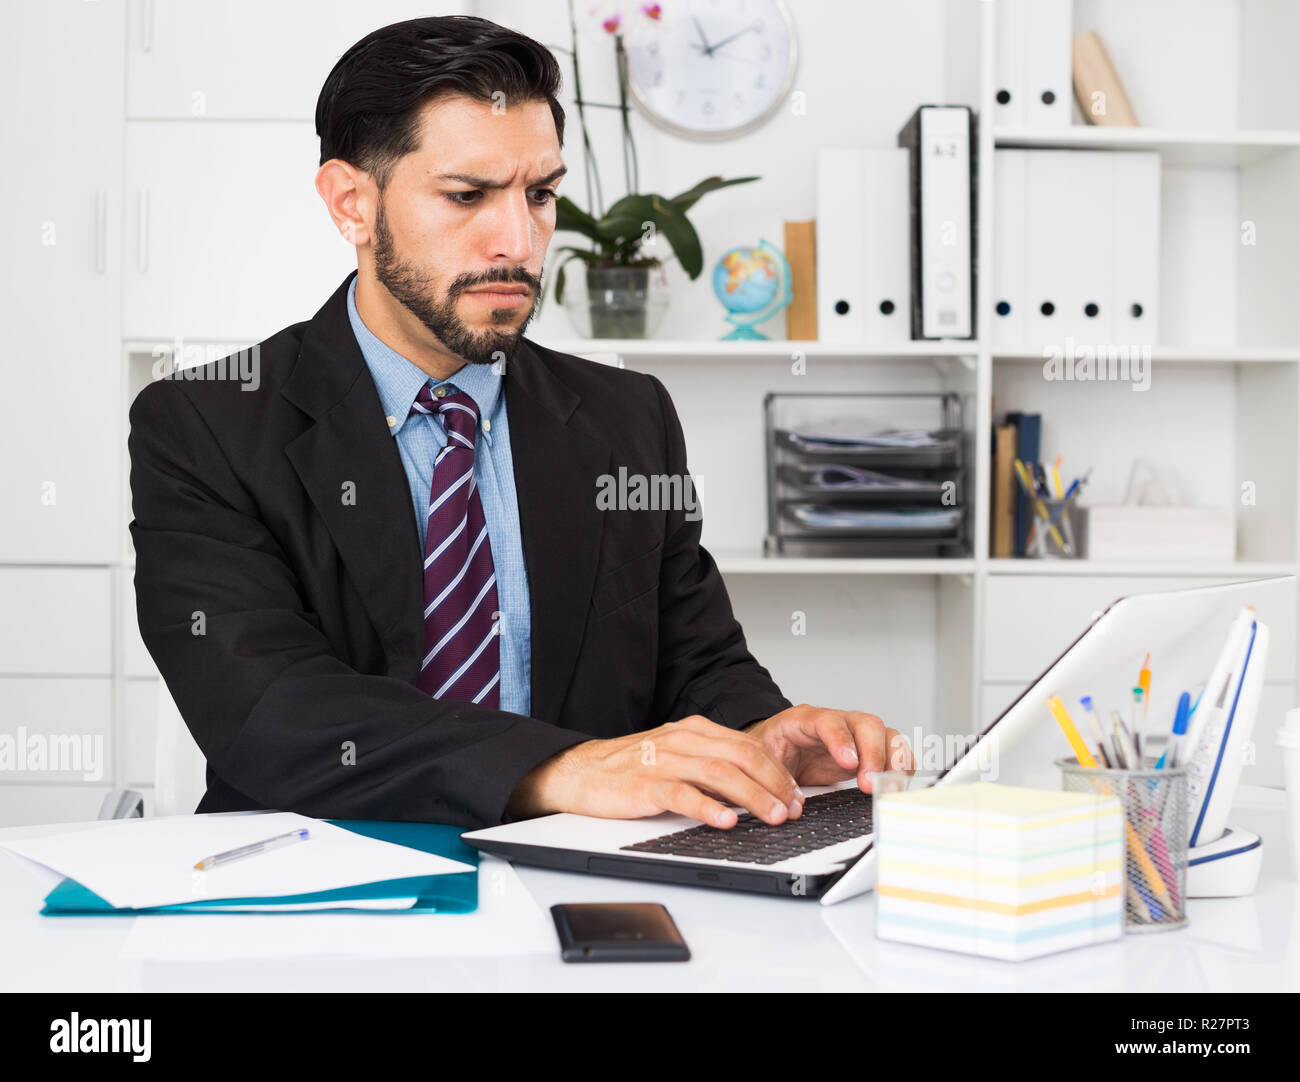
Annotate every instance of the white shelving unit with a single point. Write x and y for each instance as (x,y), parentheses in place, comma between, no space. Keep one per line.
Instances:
(1224,396)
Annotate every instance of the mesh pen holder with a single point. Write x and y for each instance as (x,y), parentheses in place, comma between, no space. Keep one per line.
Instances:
(1059,540)
(1155,850)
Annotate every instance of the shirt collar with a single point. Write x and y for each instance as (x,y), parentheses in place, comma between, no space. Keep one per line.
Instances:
(399,381)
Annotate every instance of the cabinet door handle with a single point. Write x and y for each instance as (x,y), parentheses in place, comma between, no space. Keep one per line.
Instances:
(101,231)
(146,25)
(142,233)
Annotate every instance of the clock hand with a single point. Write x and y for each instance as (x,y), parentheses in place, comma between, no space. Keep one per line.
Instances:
(733,37)
(708,49)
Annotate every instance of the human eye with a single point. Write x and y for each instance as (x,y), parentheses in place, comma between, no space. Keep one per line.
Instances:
(463,199)
(546,195)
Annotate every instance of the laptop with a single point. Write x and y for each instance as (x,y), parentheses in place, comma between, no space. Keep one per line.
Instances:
(827,853)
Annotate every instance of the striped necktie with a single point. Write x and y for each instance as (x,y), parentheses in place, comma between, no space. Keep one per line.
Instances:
(462,653)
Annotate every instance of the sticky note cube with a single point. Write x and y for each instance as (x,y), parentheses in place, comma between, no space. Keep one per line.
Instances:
(999,871)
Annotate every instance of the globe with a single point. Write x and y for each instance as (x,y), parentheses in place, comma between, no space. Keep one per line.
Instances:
(752,284)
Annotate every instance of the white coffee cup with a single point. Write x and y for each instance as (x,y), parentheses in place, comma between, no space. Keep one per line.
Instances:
(1288,739)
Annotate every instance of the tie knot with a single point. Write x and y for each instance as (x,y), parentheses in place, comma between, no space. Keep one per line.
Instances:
(457,409)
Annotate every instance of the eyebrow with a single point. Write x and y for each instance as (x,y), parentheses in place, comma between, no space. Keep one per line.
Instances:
(484,182)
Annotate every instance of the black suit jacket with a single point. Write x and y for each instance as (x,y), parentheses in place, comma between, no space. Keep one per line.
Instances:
(286,618)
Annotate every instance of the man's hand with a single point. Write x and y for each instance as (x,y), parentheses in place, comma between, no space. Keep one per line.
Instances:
(821,747)
(689,766)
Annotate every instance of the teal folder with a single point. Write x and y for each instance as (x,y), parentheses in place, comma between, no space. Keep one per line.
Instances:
(455,893)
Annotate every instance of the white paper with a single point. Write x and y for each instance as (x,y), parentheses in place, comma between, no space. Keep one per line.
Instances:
(355,903)
(508,921)
(139,863)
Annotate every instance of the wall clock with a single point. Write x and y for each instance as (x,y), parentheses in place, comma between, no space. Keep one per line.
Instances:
(713,69)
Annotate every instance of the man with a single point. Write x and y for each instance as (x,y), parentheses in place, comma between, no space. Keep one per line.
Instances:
(378,583)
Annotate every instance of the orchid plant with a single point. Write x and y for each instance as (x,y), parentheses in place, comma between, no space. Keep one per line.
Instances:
(621,235)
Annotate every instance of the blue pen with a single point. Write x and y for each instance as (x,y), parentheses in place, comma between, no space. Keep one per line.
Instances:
(1181,717)
(1065,500)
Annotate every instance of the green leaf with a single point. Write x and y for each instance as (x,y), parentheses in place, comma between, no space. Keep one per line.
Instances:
(691,196)
(672,222)
(619,227)
(571,218)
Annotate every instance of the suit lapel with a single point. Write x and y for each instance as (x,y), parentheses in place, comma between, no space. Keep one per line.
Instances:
(555,468)
(370,519)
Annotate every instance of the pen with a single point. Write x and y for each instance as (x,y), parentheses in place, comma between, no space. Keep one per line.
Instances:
(1126,737)
(1032,493)
(1180,727)
(1144,681)
(1095,725)
(1136,849)
(1068,498)
(1081,752)
(1056,477)
(1119,743)
(254,847)
(1135,726)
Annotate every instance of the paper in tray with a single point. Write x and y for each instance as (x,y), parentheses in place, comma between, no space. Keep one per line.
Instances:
(917,449)
(835,482)
(875,522)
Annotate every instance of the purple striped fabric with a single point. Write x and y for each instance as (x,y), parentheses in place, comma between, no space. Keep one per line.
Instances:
(462,651)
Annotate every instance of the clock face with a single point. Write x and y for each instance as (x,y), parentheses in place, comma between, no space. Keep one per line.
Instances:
(710,69)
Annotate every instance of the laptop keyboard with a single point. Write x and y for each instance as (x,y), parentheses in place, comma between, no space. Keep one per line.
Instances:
(838,816)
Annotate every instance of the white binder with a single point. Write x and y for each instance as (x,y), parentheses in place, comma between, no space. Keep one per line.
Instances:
(1009,54)
(1010,169)
(1048,63)
(1135,261)
(863,281)
(939,138)
(1087,206)
(1047,253)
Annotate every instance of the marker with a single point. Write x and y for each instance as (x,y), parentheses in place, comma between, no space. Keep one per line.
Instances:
(254,848)
(1174,747)
(1144,681)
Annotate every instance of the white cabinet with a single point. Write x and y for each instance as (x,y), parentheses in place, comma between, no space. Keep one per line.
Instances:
(61,728)
(60,235)
(228,239)
(56,620)
(247,59)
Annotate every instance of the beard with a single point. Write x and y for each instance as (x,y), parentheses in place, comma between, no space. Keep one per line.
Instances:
(415,290)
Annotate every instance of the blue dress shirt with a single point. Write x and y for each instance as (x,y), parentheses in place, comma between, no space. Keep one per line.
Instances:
(419,439)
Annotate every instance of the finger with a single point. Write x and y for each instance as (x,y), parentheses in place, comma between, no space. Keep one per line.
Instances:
(900,752)
(734,785)
(869,736)
(833,729)
(685,799)
(747,753)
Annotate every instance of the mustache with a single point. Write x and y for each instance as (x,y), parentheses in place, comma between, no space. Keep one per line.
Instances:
(508,276)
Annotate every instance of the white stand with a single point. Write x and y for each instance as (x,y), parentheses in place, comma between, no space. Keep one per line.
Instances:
(1225,868)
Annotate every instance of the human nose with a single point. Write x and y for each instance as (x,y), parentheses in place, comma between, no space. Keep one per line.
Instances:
(513,231)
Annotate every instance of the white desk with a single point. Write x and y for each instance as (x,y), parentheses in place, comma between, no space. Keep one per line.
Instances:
(738,942)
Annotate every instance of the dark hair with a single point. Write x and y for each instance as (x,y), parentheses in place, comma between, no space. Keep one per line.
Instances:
(368,110)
